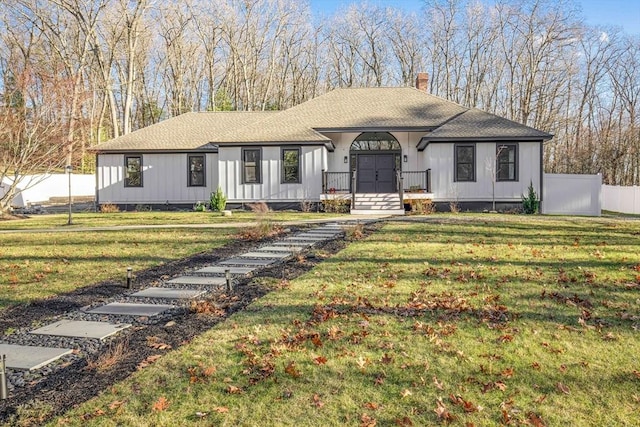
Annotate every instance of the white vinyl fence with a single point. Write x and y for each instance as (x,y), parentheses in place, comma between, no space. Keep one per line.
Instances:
(37,189)
(568,194)
(621,199)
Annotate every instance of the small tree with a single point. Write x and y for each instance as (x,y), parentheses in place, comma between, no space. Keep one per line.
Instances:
(218,200)
(530,202)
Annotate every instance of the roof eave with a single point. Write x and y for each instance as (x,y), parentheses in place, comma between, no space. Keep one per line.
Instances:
(425,141)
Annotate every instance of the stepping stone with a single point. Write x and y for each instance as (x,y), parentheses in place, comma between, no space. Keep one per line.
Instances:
(28,358)
(198,280)
(290,249)
(221,270)
(249,261)
(131,309)
(170,293)
(268,255)
(81,329)
(289,243)
(323,231)
(306,238)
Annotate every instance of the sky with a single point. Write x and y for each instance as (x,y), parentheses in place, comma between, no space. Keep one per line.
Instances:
(623,13)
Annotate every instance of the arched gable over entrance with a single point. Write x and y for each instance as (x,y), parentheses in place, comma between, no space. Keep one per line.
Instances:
(375,157)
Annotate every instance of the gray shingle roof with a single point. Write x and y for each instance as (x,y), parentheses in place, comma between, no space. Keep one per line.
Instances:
(358,109)
(478,125)
(189,131)
(339,110)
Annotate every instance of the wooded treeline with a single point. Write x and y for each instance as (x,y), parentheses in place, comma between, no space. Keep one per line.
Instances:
(77,72)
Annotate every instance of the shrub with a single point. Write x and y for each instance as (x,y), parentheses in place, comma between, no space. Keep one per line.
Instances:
(422,206)
(109,208)
(530,202)
(454,207)
(336,205)
(264,227)
(199,207)
(218,200)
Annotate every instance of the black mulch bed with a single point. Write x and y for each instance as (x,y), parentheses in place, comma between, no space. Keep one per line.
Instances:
(75,383)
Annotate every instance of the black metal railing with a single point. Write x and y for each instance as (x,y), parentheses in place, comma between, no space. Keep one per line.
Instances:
(417,181)
(335,182)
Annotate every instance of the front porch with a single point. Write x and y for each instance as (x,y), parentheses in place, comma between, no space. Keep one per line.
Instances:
(409,185)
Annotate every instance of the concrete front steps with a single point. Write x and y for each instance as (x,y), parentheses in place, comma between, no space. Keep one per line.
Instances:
(377,203)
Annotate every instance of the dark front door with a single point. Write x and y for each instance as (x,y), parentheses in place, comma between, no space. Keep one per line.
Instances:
(375,173)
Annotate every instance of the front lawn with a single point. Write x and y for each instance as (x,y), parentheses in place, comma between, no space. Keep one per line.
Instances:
(504,320)
(149,218)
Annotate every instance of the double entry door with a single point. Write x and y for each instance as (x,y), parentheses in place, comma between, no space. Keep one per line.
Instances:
(375,173)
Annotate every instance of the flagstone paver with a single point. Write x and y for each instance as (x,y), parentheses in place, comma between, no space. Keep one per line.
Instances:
(216,269)
(169,293)
(267,255)
(248,261)
(28,358)
(81,329)
(131,309)
(198,280)
(290,249)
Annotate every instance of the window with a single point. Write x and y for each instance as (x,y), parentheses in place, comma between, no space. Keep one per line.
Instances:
(196,170)
(251,158)
(507,164)
(133,171)
(465,162)
(290,165)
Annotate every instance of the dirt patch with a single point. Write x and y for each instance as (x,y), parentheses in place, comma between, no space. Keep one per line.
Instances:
(85,378)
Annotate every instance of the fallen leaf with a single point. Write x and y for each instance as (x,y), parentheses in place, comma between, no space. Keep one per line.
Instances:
(371,405)
(404,422)
(535,420)
(367,421)
(317,402)
(386,359)
(148,361)
(221,409)
(439,384)
(292,370)
(161,404)
(116,404)
(507,373)
(406,393)
(320,360)
(563,388)
(234,390)
(442,412)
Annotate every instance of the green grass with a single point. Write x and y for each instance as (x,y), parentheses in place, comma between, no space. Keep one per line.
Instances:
(519,320)
(148,218)
(34,266)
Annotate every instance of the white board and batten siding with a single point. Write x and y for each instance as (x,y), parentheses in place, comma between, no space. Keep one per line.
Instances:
(440,159)
(568,194)
(313,160)
(164,179)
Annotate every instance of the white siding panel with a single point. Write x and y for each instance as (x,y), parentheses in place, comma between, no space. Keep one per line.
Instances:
(312,161)
(164,180)
(440,158)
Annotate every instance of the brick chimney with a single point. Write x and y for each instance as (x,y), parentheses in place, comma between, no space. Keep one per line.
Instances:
(422,82)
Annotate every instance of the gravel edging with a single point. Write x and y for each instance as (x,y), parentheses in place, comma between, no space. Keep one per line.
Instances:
(75,378)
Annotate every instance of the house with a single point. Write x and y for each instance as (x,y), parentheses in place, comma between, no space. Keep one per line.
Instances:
(376,148)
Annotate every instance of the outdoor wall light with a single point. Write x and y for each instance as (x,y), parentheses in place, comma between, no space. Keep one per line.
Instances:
(405,158)
(346,159)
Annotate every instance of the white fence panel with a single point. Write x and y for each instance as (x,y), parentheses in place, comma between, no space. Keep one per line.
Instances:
(36,189)
(621,199)
(567,194)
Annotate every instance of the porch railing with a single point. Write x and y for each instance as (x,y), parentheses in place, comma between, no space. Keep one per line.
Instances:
(335,182)
(417,180)
(344,182)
